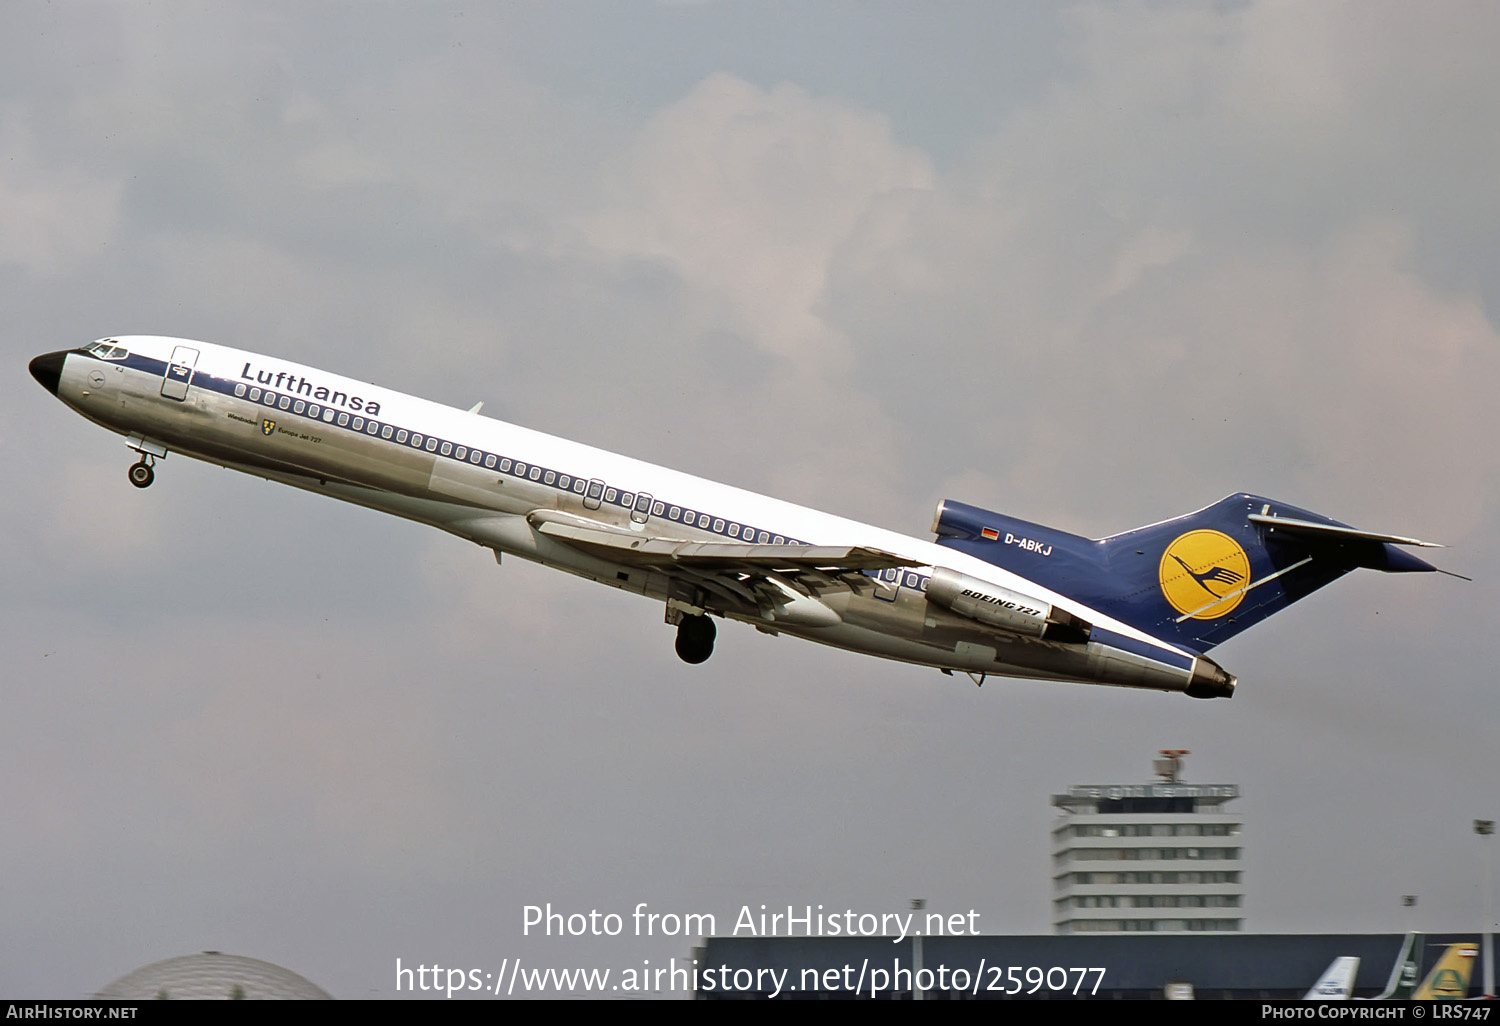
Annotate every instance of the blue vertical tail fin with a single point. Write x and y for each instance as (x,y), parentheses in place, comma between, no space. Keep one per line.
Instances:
(1195,580)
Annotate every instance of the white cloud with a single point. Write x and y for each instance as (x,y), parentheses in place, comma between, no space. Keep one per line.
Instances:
(748,194)
(1162,281)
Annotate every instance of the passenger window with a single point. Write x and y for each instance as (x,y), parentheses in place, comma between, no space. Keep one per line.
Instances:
(431,444)
(314,410)
(505,466)
(564,482)
(595,490)
(373,427)
(675,513)
(609,494)
(239,390)
(474,455)
(447,448)
(327,415)
(718,526)
(359,423)
(401,436)
(763,538)
(657,508)
(520,470)
(286,403)
(343,420)
(550,477)
(298,406)
(627,499)
(779,540)
(734,530)
(689,517)
(461,453)
(416,440)
(536,473)
(579,484)
(255,395)
(489,461)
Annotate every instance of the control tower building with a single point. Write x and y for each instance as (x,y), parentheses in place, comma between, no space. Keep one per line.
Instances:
(1161,857)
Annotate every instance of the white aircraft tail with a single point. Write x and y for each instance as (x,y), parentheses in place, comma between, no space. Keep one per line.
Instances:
(1337,983)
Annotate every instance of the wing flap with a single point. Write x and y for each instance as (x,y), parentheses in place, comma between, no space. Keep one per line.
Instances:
(628,547)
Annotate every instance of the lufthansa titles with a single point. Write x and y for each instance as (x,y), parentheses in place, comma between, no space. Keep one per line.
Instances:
(298,385)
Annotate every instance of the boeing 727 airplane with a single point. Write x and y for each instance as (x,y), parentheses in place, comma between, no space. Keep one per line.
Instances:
(992,595)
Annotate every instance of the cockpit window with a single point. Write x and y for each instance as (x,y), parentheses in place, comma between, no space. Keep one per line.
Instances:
(106,350)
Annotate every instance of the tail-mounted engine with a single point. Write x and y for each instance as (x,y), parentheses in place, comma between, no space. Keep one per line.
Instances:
(1007,610)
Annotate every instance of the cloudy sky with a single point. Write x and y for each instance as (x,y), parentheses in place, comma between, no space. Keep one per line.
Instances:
(1091,264)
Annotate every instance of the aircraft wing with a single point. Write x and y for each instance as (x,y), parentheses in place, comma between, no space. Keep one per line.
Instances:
(664,553)
(752,574)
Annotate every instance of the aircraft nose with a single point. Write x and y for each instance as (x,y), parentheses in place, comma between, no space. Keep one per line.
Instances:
(48,370)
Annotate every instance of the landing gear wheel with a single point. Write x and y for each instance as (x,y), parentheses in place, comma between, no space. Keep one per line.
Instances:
(695,638)
(141,474)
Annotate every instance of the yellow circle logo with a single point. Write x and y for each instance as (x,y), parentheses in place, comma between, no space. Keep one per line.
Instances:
(1203,574)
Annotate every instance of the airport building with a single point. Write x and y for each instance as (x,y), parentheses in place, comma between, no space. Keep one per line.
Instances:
(1141,966)
(1162,857)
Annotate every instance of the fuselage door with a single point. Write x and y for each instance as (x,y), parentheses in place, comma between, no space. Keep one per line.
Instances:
(174,384)
(642,510)
(592,498)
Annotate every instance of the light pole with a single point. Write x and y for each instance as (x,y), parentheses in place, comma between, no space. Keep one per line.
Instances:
(917,905)
(1486,828)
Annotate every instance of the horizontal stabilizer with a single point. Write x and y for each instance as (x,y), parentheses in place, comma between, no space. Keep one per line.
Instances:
(1335,532)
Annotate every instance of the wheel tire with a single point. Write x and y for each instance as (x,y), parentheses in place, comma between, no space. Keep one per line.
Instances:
(695,639)
(141,475)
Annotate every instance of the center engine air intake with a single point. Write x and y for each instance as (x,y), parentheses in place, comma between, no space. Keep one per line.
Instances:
(1007,610)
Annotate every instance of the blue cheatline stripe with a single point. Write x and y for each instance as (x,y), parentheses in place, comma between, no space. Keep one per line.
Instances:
(344,420)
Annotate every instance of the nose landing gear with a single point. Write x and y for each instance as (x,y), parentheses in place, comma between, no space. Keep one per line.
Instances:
(141,474)
(150,450)
(695,638)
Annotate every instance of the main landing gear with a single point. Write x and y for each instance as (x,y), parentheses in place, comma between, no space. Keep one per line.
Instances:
(141,474)
(695,638)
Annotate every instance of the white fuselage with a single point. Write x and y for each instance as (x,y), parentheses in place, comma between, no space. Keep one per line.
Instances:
(489,481)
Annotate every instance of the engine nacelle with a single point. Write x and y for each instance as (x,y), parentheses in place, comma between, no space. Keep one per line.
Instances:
(1007,610)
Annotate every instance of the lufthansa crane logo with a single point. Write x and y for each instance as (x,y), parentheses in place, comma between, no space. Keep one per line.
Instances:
(1203,574)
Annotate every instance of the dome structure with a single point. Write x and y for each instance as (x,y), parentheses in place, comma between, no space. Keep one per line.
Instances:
(213,975)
